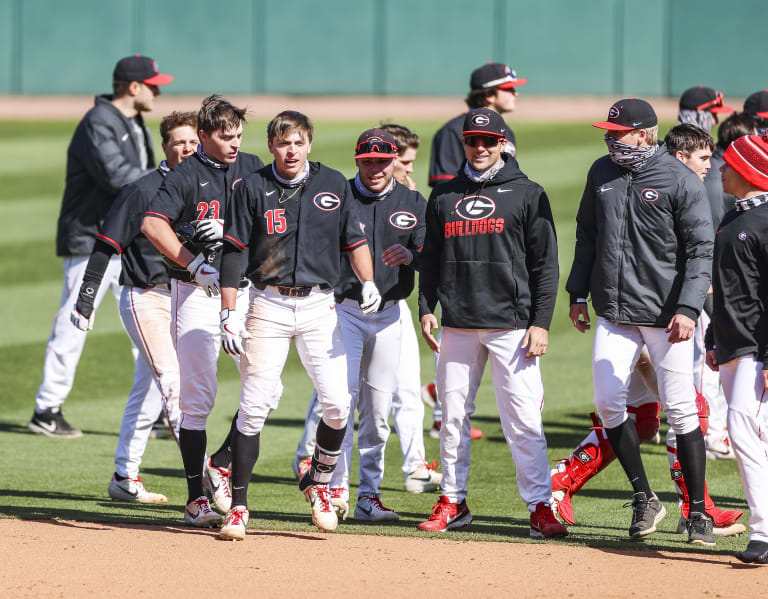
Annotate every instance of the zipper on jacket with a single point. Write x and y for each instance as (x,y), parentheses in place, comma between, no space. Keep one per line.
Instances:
(623,240)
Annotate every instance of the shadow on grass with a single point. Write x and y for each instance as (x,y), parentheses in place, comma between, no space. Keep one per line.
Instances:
(21,429)
(178,473)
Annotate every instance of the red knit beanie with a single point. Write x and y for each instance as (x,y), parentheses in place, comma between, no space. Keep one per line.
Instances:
(748,156)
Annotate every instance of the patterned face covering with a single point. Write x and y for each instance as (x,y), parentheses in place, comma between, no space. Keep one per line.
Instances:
(701,118)
(632,157)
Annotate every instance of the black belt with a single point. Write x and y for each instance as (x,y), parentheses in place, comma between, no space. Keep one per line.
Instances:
(298,291)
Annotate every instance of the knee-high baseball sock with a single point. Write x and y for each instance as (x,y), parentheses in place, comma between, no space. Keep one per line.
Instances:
(223,455)
(693,462)
(626,446)
(192,445)
(245,452)
(327,452)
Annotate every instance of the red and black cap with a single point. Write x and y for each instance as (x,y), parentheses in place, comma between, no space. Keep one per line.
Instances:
(484,121)
(748,156)
(757,104)
(140,68)
(495,74)
(376,143)
(703,98)
(629,114)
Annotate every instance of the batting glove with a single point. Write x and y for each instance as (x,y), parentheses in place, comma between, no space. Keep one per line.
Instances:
(84,323)
(209,229)
(205,275)
(232,332)
(371,298)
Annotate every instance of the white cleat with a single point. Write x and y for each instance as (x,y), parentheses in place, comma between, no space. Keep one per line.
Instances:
(423,480)
(199,513)
(216,486)
(301,465)
(323,513)
(340,502)
(235,524)
(132,489)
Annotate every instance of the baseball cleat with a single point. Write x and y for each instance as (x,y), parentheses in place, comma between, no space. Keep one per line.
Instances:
(340,502)
(369,507)
(235,524)
(160,429)
(646,514)
(216,486)
(199,513)
(301,465)
(51,423)
(700,530)
(474,433)
(424,479)
(447,515)
(323,513)
(720,449)
(132,489)
(562,507)
(727,530)
(429,395)
(755,553)
(544,525)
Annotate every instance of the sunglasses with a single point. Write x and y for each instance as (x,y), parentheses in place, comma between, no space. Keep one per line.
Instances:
(376,146)
(488,141)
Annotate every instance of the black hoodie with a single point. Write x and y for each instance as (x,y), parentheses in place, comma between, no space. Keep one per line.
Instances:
(490,253)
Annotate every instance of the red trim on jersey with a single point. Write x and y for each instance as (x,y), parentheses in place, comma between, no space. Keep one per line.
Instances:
(441,178)
(111,241)
(354,245)
(235,241)
(158,215)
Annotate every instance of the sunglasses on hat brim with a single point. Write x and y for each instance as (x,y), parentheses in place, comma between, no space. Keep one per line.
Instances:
(376,148)
(716,105)
(489,141)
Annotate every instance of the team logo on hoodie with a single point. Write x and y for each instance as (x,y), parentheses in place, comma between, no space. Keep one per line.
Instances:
(475,207)
(326,201)
(403,220)
(474,212)
(649,194)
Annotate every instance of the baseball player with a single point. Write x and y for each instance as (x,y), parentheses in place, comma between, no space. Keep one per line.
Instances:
(295,217)
(110,148)
(199,189)
(492,86)
(393,218)
(643,252)
(737,339)
(407,408)
(490,259)
(145,308)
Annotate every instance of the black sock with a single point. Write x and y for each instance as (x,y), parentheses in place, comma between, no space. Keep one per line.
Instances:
(626,446)
(192,445)
(223,455)
(329,438)
(693,462)
(327,453)
(245,452)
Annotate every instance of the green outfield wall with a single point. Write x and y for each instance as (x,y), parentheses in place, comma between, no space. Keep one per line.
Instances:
(614,47)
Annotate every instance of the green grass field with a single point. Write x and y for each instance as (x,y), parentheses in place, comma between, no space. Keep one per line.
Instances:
(49,478)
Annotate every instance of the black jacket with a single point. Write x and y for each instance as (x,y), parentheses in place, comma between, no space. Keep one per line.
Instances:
(490,253)
(447,154)
(643,242)
(740,282)
(103,156)
(396,218)
(294,235)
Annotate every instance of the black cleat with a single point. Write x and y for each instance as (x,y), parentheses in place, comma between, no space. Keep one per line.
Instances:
(51,423)
(700,529)
(646,514)
(755,553)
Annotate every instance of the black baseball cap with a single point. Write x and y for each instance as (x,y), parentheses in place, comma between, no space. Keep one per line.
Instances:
(376,143)
(483,121)
(629,114)
(140,68)
(703,98)
(495,74)
(757,104)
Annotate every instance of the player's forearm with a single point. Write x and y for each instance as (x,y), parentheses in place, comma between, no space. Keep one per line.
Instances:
(228,298)
(360,260)
(164,239)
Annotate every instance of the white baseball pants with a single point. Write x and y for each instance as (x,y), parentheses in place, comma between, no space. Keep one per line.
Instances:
(614,355)
(275,320)
(66,341)
(748,428)
(519,397)
(708,383)
(196,336)
(146,316)
(372,343)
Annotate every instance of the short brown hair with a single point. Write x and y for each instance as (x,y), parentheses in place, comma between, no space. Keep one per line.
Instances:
(478,98)
(218,113)
(687,139)
(288,121)
(120,88)
(177,119)
(404,137)
(735,126)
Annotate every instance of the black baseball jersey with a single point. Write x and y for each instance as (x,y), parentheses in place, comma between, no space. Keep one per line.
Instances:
(740,283)
(143,265)
(396,218)
(490,253)
(447,154)
(199,188)
(294,235)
